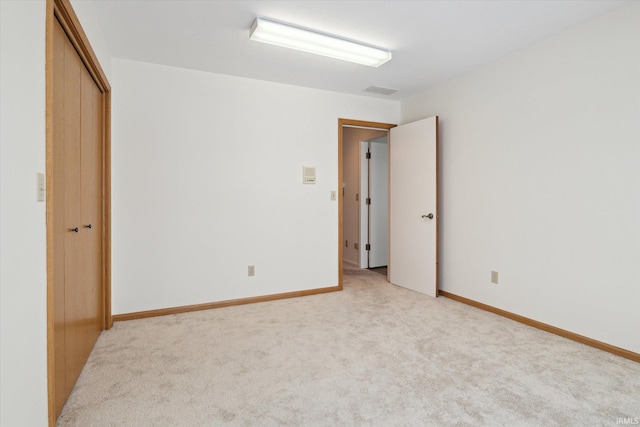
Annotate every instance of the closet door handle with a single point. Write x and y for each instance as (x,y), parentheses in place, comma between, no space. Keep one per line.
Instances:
(75,229)
(87,226)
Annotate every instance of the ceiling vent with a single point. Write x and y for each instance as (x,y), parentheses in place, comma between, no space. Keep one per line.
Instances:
(380,90)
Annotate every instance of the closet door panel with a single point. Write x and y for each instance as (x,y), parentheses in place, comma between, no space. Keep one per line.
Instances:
(91,211)
(73,282)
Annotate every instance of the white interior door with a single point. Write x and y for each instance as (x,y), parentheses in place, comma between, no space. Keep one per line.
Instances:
(364,208)
(379,204)
(413,216)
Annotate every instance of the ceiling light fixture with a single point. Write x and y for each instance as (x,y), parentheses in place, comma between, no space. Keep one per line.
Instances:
(285,35)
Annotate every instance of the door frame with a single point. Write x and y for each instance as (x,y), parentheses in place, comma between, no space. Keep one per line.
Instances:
(341,124)
(62,11)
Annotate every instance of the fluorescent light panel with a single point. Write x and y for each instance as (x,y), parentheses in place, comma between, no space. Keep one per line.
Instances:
(276,33)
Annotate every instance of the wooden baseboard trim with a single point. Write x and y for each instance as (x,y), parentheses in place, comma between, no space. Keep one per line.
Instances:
(219,304)
(351,263)
(548,328)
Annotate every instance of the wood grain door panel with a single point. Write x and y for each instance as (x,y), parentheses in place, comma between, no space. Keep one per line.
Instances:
(73,240)
(90,307)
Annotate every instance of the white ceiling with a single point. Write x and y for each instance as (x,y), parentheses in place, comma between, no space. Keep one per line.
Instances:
(432,41)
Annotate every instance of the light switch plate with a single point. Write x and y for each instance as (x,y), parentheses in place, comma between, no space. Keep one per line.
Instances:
(40,187)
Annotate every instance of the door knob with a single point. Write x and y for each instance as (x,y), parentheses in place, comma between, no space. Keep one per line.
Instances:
(75,229)
(87,226)
(430,216)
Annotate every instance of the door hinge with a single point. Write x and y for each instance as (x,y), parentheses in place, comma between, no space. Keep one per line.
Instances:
(368,154)
(367,247)
(357,197)
(368,202)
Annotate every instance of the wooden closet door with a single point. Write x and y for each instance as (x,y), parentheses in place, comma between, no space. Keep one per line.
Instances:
(73,238)
(77,220)
(89,297)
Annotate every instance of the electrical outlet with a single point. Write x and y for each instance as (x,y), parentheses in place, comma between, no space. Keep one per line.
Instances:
(494,277)
(333,196)
(252,270)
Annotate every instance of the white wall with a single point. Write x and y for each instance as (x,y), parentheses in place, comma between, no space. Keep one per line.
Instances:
(23,308)
(207,179)
(540,158)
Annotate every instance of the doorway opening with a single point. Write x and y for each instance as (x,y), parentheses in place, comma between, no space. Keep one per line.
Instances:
(412,179)
(362,225)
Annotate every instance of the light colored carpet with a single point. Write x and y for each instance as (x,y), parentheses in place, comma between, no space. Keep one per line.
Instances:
(374,354)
